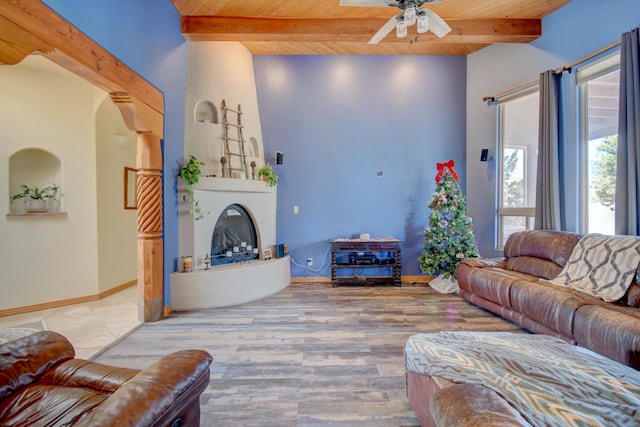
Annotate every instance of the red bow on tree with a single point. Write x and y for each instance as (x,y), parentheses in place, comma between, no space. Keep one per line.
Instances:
(449,165)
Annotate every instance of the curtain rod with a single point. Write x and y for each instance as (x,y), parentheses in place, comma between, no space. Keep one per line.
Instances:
(558,71)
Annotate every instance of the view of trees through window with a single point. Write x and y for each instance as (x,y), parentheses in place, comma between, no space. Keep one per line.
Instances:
(598,85)
(514,190)
(518,137)
(600,96)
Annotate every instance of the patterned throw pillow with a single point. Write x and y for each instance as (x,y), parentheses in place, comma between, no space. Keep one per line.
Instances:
(602,266)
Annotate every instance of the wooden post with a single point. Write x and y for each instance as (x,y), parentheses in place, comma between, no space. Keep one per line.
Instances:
(150,243)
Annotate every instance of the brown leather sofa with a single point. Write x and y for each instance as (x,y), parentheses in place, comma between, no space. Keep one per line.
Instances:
(42,384)
(509,286)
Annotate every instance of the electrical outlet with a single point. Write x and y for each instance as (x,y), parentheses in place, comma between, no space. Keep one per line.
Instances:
(309,262)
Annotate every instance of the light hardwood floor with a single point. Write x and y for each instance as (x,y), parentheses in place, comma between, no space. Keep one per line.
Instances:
(311,355)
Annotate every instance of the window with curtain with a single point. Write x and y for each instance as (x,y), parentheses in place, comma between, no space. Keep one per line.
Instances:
(598,93)
(518,154)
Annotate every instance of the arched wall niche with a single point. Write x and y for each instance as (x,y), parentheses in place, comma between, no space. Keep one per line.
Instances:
(205,112)
(33,166)
(33,28)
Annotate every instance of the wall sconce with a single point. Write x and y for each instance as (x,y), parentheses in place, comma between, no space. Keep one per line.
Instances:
(121,140)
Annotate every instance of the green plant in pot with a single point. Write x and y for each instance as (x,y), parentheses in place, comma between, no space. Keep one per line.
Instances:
(190,173)
(268,175)
(36,196)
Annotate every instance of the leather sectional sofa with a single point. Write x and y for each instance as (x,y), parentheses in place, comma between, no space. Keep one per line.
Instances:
(509,286)
(41,383)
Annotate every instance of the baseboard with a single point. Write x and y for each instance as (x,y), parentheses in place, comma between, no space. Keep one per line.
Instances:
(167,310)
(417,279)
(64,302)
(317,279)
(117,289)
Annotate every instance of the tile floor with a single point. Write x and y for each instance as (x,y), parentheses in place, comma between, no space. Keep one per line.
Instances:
(89,326)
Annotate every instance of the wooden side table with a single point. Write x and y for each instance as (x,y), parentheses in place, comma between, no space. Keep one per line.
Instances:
(364,254)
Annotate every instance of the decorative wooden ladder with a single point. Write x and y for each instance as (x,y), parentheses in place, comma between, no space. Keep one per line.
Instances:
(234,142)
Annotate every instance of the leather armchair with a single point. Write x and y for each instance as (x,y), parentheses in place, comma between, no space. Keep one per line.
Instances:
(41,383)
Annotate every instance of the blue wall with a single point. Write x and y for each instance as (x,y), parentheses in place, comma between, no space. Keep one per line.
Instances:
(145,35)
(341,119)
(571,33)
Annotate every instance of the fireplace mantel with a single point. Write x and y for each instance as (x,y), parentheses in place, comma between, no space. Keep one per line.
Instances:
(234,185)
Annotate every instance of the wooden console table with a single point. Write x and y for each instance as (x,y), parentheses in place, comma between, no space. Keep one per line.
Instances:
(360,254)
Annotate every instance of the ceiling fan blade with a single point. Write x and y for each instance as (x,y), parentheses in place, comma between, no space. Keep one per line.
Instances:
(384,30)
(365,3)
(436,24)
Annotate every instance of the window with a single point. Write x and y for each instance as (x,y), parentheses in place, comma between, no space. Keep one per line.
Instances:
(518,154)
(598,89)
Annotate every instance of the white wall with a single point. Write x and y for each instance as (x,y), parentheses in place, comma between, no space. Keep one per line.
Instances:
(45,259)
(217,71)
(117,227)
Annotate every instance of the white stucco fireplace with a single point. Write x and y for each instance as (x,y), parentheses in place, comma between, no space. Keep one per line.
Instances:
(233,283)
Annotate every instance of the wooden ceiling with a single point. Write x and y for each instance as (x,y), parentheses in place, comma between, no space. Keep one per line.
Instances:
(322,27)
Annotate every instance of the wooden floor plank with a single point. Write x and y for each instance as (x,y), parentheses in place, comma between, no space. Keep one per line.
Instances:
(312,355)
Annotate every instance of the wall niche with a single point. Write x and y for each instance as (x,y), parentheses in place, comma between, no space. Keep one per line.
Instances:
(34,167)
(205,112)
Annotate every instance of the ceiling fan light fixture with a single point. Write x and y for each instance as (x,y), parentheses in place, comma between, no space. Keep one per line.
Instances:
(401,29)
(410,15)
(423,24)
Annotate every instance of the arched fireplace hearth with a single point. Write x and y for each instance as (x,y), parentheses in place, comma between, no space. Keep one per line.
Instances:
(243,211)
(234,238)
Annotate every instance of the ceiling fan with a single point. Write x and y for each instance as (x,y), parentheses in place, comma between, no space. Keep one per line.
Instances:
(425,19)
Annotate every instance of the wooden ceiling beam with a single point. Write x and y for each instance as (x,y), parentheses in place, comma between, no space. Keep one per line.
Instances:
(409,47)
(351,30)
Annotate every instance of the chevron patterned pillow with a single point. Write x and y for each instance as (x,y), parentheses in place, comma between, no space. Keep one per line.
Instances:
(602,266)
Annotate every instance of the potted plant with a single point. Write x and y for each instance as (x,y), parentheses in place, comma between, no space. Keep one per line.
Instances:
(267,173)
(190,173)
(36,197)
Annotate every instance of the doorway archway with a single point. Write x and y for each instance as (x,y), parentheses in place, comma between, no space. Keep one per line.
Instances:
(33,28)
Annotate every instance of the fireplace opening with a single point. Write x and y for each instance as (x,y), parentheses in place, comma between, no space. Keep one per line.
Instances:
(234,237)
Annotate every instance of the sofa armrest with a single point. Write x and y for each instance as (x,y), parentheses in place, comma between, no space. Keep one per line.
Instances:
(87,374)
(485,262)
(157,394)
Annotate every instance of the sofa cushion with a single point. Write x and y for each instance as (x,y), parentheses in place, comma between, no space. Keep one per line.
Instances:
(48,405)
(27,359)
(492,284)
(555,246)
(632,297)
(613,333)
(534,266)
(546,304)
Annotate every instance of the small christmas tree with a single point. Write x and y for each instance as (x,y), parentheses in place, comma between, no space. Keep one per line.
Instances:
(449,237)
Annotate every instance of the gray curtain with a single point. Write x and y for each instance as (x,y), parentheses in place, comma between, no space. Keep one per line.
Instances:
(628,166)
(548,177)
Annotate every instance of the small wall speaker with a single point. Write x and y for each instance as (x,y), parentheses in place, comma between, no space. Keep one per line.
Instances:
(484,155)
(279,157)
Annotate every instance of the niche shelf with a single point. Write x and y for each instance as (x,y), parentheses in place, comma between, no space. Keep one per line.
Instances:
(205,112)
(34,166)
